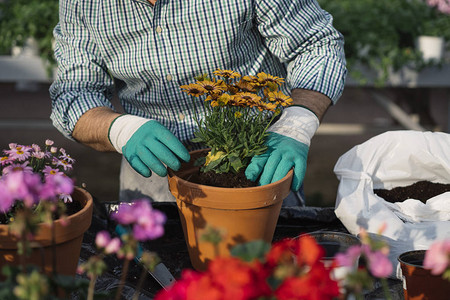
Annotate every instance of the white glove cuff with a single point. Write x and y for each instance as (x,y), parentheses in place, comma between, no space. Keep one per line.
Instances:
(298,123)
(123,128)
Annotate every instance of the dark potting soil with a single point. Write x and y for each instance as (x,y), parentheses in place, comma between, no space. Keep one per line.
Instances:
(421,190)
(227,180)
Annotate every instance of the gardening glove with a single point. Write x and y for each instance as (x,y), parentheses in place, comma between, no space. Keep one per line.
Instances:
(147,145)
(287,147)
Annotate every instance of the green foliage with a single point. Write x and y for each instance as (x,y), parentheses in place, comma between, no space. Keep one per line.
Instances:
(381,34)
(238,112)
(22,19)
(251,250)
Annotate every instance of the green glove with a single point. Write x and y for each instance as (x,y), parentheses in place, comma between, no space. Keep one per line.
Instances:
(147,145)
(283,154)
(288,146)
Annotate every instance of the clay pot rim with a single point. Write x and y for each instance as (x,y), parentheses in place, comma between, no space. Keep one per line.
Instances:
(401,260)
(63,233)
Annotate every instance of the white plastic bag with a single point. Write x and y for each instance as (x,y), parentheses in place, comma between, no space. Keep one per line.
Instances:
(389,160)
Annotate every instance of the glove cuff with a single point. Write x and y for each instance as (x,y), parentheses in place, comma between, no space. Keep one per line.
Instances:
(122,128)
(298,123)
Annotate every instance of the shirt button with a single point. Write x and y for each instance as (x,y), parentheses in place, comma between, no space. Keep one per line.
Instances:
(169,77)
(158,29)
(181,116)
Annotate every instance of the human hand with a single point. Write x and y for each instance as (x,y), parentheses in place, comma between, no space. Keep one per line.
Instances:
(288,146)
(283,153)
(147,145)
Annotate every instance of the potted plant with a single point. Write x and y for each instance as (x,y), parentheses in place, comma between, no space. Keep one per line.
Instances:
(434,30)
(380,35)
(43,216)
(21,20)
(426,273)
(238,114)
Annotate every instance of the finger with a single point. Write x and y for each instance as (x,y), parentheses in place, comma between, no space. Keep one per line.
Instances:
(269,169)
(139,166)
(167,138)
(299,174)
(255,167)
(165,155)
(150,160)
(282,169)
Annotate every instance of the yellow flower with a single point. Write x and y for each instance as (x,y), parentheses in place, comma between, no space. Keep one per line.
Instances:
(237,114)
(212,87)
(224,99)
(227,73)
(279,98)
(270,106)
(264,79)
(193,89)
(214,103)
(245,86)
(210,158)
(249,99)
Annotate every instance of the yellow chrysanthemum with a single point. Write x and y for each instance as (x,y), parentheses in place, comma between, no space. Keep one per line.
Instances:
(227,73)
(264,78)
(214,103)
(224,99)
(249,98)
(211,87)
(279,98)
(270,106)
(237,114)
(245,86)
(193,89)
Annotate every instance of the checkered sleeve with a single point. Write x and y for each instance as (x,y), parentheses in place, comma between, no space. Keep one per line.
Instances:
(82,81)
(301,35)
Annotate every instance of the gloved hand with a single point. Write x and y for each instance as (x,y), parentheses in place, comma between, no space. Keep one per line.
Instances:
(288,146)
(147,145)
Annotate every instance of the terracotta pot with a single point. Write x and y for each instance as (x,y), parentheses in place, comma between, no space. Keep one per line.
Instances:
(419,283)
(68,240)
(244,214)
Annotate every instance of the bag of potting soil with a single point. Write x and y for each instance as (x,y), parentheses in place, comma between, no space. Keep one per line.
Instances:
(387,161)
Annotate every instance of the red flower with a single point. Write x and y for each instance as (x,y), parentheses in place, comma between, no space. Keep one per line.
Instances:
(315,285)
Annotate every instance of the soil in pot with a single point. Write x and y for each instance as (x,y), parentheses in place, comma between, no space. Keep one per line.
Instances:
(226,180)
(421,190)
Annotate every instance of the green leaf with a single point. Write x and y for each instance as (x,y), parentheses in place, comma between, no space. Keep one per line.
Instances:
(251,250)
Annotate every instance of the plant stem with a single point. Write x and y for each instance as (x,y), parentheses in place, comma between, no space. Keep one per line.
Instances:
(386,290)
(91,288)
(140,283)
(126,264)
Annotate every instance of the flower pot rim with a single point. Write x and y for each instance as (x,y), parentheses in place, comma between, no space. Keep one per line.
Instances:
(402,256)
(63,232)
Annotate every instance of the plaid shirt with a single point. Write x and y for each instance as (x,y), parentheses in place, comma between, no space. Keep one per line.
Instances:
(146,52)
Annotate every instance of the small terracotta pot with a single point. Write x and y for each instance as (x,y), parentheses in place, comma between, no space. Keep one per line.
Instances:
(419,283)
(68,240)
(244,214)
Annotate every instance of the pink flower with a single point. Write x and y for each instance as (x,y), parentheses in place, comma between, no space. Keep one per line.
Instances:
(6,199)
(103,241)
(437,258)
(147,222)
(18,167)
(4,160)
(48,142)
(49,171)
(349,258)
(55,186)
(379,264)
(23,186)
(19,152)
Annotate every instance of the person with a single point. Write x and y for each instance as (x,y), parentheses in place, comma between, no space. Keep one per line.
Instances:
(145,50)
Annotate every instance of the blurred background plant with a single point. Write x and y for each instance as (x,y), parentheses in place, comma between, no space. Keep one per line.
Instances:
(21,20)
(382,34)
